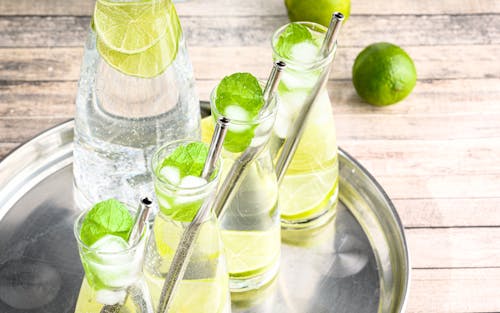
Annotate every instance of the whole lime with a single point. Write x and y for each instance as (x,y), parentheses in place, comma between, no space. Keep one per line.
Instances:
(383,74)
(317,11)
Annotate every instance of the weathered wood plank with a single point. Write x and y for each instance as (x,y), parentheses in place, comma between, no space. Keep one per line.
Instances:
(18,99)
(22,31)
(448,212)
(6,148)
(436,62)
(38,99)
(20,130)
(257,7)
(444,186)
(454,247)
(426,157)
(455,291)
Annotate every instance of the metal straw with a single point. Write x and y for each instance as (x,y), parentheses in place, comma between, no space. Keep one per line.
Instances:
(297,129)
(186,244)
(272,83)
(331,34)
(141,218)
(237,171)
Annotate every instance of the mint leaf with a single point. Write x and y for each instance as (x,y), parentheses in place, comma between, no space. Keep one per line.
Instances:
(294,34)
(189,159)
(241,89)
(109,217)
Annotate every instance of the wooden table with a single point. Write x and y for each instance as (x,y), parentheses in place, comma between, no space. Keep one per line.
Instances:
(437,153)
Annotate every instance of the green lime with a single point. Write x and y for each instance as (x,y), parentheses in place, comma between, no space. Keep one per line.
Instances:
(317,11)
(138,38)
(250,253)
(383,74)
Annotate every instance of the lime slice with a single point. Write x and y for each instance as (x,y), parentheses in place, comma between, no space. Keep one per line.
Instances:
(137,38)
(207,129)
(168,233)
(304,195)
(131,27)
(312,178)
(250,253)
(194,296)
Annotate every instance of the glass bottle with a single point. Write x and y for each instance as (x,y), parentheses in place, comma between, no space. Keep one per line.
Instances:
(309,190)
(113,275)
(250,221)
(204,287)
(135,93)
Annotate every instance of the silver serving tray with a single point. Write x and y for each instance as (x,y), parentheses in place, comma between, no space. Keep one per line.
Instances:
(358,263)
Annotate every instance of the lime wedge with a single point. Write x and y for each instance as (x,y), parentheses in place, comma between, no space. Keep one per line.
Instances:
(250,253)
(207,129)
(137,38)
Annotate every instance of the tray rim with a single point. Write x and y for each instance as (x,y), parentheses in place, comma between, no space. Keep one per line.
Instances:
(69,125)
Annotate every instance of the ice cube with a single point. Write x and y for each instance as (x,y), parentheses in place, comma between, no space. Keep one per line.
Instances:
(192,182)
(110,243)
(281,125)
(237,113)
(171,173)
(305,52)
(299,80)
(110,297)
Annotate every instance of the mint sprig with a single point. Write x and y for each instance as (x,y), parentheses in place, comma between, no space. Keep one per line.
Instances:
(109,217)
(189,159)
(243,90)
(293,34)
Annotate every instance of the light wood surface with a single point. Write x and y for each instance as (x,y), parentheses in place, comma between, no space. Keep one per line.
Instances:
(437,153)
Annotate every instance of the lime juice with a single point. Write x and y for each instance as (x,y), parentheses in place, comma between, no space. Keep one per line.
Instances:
(250,222)
(135,93)
(308,193)
(181,192)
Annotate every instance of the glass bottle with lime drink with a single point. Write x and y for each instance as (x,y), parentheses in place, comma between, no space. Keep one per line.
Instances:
(250,220)
(308,192)
(112,262)
(136,92)
(181,192)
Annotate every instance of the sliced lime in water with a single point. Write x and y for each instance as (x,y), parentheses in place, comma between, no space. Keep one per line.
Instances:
(138,38)
(250,253)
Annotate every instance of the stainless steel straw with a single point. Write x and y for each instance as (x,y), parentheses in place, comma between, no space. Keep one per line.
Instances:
(237,171)
(141,218)
(332,33)
(295,133)
(186,244)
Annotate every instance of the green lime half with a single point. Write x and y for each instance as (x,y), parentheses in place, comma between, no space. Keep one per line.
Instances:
(137,38)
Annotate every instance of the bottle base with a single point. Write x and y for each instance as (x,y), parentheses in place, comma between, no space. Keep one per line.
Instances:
(312,222)
(238,285)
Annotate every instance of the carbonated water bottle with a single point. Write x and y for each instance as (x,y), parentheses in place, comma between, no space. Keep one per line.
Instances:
(136,92)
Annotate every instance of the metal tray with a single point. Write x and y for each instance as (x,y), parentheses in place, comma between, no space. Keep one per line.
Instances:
(357,264)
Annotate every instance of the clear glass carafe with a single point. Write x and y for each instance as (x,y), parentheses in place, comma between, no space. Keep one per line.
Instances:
(250,221)
(204,286)
(309,189)
(135,93)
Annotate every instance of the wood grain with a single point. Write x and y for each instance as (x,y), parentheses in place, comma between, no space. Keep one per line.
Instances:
(441,97)
(257,7)
(454,247)
(70,31)
(462,212)
(210,63)
(455,290)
